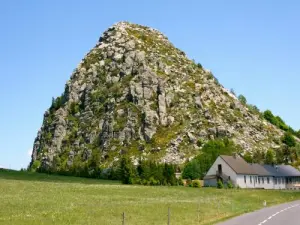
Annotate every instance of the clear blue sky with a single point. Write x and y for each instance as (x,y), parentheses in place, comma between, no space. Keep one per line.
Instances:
(250,46)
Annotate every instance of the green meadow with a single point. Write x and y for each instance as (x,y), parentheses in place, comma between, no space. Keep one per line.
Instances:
(36,199)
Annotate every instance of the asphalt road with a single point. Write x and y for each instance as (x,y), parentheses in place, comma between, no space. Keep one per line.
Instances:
(285,214)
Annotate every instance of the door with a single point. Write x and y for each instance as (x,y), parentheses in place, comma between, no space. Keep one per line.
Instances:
(220,169)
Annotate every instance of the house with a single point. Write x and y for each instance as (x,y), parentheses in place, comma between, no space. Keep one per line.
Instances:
(245,175)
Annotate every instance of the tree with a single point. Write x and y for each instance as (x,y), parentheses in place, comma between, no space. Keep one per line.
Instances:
(298,133)
(281,124)
(295,153)
(248,157)
(169,174)
(198,167)
(279,156)
(253,109)
(268,115)
(192,170)
(126,171)
(270,157)
(258,156)
(289,140)
(242,99)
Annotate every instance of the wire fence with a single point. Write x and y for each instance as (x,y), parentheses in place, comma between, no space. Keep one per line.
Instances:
(219,212)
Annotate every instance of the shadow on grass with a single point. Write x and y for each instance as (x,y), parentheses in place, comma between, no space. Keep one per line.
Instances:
(42,177)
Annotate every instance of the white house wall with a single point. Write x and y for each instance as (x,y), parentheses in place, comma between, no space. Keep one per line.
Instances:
(281,183)
(226,169)
(264,182)
(241,181)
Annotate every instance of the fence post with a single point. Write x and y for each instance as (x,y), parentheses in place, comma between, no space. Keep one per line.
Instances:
(198,212)
(168,215)
(123,218)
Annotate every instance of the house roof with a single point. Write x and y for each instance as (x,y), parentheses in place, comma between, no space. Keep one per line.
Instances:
(238,164)
(282,171)
(260,170)
(289,171)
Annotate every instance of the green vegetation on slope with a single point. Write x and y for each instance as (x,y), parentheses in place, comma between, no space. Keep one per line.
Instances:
(198,167)
(288,153)
(269,116)
(36,199)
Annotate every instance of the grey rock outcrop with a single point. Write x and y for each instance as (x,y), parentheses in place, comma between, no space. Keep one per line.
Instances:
(135,93)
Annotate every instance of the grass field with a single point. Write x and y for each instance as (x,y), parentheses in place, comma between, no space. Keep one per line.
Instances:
(37,199)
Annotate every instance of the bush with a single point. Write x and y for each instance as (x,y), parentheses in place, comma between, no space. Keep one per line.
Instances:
(220,184)
(180,182)
(145,182)
(188,183)
(242,99)
(126,171)
(229,185)
(289,140)
(136,181)
(153,182)
(196,183)
(277,121)
(35,166)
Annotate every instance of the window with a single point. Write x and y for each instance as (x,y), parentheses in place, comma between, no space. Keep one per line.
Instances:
(275,180)
(279,180)
(251,179)
(263,180)
(259,180)
(268,180)
(245,179)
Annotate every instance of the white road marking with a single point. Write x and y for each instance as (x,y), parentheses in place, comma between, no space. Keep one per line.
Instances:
(281,211)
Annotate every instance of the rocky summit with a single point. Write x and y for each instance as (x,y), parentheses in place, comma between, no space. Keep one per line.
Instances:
(135,93)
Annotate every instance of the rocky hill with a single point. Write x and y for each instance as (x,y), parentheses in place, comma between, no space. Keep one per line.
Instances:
(135,93)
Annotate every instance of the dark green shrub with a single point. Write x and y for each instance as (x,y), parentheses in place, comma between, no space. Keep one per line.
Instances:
(126,171)
(145,182)
(229,185)
(180,182)
(153,182)
(192,170)
(136,180)
(188,183)
(289,140)
(220,184)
